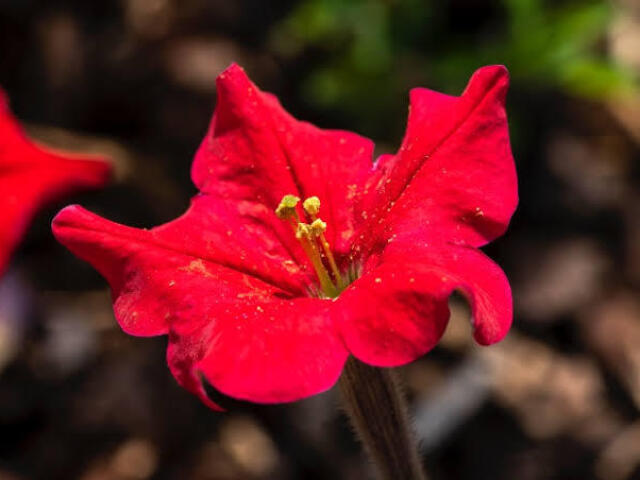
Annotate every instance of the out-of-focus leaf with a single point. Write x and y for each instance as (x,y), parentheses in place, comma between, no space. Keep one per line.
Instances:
(369,43)
(597,79)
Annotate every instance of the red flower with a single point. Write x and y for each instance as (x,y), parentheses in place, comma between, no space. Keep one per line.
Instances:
(269,313)
(31,176)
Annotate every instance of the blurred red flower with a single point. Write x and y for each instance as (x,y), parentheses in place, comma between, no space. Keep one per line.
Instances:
(268,313)
(31,176)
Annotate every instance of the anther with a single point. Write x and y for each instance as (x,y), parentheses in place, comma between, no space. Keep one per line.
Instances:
(287,207)
(312,206)
(311,237)
(303,231)
(317,227)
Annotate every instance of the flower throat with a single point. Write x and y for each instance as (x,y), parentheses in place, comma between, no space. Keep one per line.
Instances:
(314,243)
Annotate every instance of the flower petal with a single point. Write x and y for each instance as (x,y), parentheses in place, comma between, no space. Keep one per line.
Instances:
(239,235)
(250,338)
(256,151)
(453,176)
(126,257)
(397,311)
(270,351)
(31,176)
(141,264)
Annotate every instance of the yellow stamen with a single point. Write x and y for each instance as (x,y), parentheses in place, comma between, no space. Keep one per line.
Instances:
(308,235)
(317,227)
(303,233)
(287,207)
(311,205)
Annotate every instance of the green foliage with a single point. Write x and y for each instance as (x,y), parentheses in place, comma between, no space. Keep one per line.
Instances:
(374,49)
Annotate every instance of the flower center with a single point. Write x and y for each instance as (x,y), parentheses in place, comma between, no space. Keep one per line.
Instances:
(314,243)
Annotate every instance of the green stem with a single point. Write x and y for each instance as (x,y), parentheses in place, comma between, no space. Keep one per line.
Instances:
(378,412)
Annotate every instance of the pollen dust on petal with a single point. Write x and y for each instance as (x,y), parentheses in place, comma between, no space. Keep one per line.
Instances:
(346,234)
(290,266)
(197,267)
(252,296)
(351,191)
(252,293)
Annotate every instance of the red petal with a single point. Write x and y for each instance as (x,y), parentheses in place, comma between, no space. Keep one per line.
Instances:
(126,258)
(239,235)
(256,151)
(225,320)
(143,266)
(262,350)
(398,310)
(31,176)
(454,176)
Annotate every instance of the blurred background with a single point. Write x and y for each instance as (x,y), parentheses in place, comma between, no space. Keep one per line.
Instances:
(134,79)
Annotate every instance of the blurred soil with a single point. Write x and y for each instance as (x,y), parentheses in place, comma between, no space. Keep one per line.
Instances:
(134,79)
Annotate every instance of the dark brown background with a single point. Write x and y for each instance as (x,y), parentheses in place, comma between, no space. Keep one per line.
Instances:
(134,79)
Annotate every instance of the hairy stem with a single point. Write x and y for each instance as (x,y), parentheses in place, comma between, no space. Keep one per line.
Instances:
(376,407)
